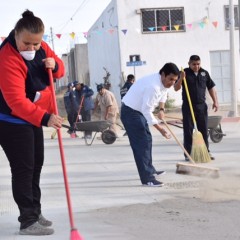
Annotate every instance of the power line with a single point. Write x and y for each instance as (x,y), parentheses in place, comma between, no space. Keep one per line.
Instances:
(71,18)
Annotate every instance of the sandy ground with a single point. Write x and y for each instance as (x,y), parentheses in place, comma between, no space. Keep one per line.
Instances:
(180,218)
(209,210)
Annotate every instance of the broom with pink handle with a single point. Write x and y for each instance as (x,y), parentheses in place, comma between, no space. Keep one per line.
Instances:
(74,232)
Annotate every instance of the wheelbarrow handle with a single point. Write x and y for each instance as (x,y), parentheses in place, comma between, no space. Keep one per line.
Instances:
(65,126)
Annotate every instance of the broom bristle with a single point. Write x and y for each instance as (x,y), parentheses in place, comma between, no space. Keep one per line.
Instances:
(193,169)
(199,150)
(75,235)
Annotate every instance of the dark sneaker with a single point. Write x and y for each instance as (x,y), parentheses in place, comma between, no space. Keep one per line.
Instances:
(44,222)
(36,230)
(186,159)
(159,173)
(153,183)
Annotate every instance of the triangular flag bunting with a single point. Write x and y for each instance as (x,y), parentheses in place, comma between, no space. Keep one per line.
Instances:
(72,35)
(206,20)
(99,32)
(176,27)
(151,28)
(58,35)
(45,37)
(164,28)
(124,31)
(111,31)
(215,24)
(137,30)
(85,34)
(201,24)
(189,25)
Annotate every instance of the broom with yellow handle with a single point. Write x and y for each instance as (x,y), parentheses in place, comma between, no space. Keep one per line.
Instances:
(199,150)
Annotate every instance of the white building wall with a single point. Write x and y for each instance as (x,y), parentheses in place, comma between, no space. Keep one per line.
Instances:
(157,48)
(81,63)
(103,49)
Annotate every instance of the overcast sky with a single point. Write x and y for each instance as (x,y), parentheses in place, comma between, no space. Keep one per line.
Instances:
(63,16)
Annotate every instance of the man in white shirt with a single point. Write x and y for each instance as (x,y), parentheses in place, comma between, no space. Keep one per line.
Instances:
(137,114)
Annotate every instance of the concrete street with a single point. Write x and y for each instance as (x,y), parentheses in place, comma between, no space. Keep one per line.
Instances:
(110,203)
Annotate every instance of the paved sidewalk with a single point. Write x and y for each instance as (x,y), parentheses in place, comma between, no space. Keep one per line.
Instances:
(108,199)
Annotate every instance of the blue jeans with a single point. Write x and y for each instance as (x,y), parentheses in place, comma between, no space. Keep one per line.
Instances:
(140,140)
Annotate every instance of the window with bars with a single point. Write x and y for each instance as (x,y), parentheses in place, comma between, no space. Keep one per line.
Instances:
(227,17)
(163,20)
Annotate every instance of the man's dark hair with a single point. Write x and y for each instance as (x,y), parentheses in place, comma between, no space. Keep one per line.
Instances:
(130,77)
(169,68)
(194,58)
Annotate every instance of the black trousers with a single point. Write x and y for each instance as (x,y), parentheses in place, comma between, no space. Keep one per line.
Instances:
(201,115)
(86,116)
(24,148)
(72,117)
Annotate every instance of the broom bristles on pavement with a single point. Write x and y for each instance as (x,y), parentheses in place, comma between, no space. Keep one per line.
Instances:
(199,150)
(75,235)
(196,170)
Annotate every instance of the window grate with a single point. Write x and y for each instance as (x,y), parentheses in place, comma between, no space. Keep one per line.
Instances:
(163,20)
(227,17)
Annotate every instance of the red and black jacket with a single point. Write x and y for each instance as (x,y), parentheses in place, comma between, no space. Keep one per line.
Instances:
(21,79)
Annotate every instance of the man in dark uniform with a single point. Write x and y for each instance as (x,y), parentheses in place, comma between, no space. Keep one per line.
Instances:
(85,104)
(198,80)
(71,107)
(130,81)
(127,85)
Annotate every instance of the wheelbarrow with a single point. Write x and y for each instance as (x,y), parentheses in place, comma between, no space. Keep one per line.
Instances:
(214,127)
(107,136)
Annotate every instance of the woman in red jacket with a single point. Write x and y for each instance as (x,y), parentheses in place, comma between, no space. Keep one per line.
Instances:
(26,106)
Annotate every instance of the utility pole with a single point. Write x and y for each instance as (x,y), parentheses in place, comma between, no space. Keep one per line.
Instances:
(232,59)
(239,23)
(52,41)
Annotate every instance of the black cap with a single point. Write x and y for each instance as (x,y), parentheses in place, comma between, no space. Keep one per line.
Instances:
(99,87)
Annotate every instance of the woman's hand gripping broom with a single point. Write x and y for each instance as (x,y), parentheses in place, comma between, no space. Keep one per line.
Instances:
(199,150)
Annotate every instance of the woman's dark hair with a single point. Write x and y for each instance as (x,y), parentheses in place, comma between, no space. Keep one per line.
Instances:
(30,23)
(169,68)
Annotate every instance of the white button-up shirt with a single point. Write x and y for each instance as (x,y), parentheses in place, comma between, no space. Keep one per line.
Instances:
(145,95)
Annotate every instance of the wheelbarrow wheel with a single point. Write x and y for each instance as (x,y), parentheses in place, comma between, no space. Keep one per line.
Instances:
(216,134)
(108,136)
